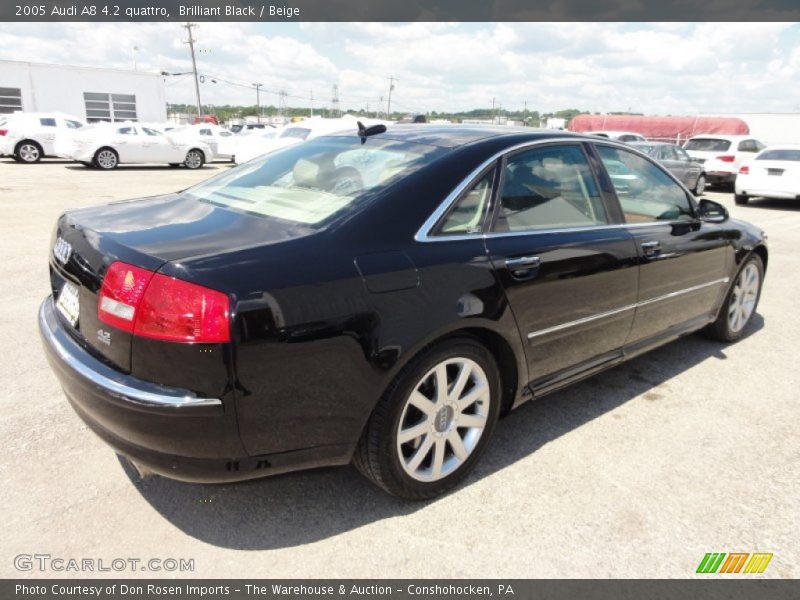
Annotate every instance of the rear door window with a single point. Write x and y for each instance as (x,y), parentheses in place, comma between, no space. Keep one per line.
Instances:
(47,122)
(549,188)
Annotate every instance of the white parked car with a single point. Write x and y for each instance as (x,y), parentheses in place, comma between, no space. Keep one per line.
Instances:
(721,155)
(106,145)
(204,133)
(29,137)
(256,145)
(772,173)
(620,136)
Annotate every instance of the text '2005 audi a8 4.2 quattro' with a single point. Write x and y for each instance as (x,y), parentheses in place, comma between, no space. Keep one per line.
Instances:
(381,297)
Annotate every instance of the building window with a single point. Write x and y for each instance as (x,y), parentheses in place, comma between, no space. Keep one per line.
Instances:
(10,100)
(109,107)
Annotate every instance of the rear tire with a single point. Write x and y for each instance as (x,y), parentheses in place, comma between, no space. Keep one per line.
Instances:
(28,151)
(106,159)
(419,443)
(741,199)
(741,302)
(194,159)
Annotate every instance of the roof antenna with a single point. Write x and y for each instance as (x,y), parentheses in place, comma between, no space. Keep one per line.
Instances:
(364,132)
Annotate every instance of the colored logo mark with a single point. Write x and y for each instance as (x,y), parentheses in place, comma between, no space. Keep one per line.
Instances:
(734,562)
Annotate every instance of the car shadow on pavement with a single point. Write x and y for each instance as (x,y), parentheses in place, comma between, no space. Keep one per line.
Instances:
(80,167)
(303,507)
(772,203)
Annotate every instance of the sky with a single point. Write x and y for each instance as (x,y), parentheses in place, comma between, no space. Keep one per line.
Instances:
(669,68)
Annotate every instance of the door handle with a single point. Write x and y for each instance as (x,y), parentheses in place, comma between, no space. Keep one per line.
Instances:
(523,266)
(652,248)
(525,262)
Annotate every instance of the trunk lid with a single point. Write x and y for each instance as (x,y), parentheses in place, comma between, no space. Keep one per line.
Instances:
(146,233)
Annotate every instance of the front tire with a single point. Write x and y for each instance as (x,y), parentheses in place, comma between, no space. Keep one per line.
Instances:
(741,199)
(28,151)
(741,302)
(194,159)
(434,421)
(106,159)
(700,185)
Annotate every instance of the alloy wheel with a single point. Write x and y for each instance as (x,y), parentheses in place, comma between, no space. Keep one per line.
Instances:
(443,419)
(106,159)
(28,153)
(744,297)
(194,160)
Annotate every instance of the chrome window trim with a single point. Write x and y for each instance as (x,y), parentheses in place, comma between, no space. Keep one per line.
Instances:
(629,307)
(424,232)
(117,389)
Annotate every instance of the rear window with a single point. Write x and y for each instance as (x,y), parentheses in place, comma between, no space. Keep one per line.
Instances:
(708,145)
(314,182)
(300,133)
(787,154)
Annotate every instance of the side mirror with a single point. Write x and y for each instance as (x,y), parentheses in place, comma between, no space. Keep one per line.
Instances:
(712,212)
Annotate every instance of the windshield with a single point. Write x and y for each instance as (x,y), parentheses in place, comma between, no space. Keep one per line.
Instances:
(708,145)
(785,154)
(313,182)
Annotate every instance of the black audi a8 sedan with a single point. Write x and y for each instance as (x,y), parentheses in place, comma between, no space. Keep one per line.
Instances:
(380,297)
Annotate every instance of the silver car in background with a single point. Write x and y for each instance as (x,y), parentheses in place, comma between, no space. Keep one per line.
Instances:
(685,168)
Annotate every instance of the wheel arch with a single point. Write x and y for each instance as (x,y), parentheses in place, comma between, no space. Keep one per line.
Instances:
(510,362)
(29,141)
(201,151)
(761,251)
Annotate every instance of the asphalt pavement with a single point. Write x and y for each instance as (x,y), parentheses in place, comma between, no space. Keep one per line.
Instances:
(637,472)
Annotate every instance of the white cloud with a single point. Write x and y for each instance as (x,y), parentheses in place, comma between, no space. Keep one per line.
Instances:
(668,68)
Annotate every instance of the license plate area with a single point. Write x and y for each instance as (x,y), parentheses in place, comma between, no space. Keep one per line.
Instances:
(776,172)
(68,302)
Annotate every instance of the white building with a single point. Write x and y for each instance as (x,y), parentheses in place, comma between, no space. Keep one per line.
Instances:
(771,128)
(93,94)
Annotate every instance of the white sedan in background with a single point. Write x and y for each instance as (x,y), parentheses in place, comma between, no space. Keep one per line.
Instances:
(29,137)
(255,145)
(106,145)
(212,135)
(772,173)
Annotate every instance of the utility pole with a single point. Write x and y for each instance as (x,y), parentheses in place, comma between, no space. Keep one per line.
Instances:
(493,113)
(282,104)
(311,100)
(258,101)
(389,103)
(190,41)
(335,101)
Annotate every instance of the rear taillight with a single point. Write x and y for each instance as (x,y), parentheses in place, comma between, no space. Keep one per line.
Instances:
(152,305)
(726,158)
(3,131)
(122,291)
(744,170)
